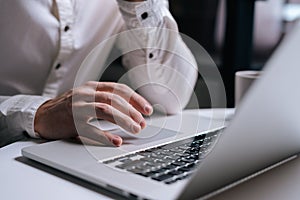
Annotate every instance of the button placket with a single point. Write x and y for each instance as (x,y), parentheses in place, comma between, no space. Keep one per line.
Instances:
(144,15)
(151,55)
(58,65)
(66,43)
(149,13)
(67,28)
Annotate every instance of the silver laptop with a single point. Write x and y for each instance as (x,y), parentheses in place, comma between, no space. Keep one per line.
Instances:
(264,132)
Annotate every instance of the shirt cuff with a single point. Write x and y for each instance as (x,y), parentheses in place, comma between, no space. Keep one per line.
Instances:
(20,111)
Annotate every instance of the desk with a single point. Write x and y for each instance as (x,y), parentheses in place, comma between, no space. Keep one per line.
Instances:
(20,180)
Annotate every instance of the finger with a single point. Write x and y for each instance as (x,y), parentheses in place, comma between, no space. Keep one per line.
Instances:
(83,111)
(122,105)
(109,113)
(141,104)
(136,100)
(115,139)
(97,135)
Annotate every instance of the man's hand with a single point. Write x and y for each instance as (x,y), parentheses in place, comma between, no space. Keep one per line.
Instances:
(113,102)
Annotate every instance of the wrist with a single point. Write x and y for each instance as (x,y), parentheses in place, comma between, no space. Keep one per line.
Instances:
(38,119)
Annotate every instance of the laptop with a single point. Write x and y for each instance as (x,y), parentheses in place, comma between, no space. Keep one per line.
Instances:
(264,133)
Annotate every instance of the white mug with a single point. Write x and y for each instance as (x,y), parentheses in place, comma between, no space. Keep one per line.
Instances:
(243,81)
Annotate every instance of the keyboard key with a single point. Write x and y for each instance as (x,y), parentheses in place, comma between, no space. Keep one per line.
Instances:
(170,167)
(178,163)
(186,169)
(130,164)
(162,177)
(176,150)
(175,172)
(188,160)
(144,153)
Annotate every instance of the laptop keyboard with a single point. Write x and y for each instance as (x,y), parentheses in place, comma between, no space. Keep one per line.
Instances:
(168,163)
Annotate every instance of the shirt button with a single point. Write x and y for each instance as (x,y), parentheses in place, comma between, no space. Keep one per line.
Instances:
(151,55)
(67,28)
(58,66)
(144,15)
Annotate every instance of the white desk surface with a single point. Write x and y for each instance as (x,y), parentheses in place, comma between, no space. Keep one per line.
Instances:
(24,179)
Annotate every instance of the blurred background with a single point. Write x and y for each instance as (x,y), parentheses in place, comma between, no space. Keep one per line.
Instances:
(238,34)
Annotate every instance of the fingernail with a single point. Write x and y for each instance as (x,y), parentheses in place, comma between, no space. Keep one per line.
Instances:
(117,141)
(148,109)
(135,128)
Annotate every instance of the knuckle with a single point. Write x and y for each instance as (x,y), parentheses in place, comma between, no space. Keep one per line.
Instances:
(76,93)
(105,97)
(109,97)
(90,83)
(124,87)
(104,108)
(117,100)
(83,94)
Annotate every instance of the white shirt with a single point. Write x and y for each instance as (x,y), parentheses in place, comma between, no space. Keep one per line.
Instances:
(44,42)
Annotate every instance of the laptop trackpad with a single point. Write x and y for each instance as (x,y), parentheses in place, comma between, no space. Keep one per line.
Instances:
(160,135)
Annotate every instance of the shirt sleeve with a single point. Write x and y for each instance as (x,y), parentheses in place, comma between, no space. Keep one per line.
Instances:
(17,113)
(160,65)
